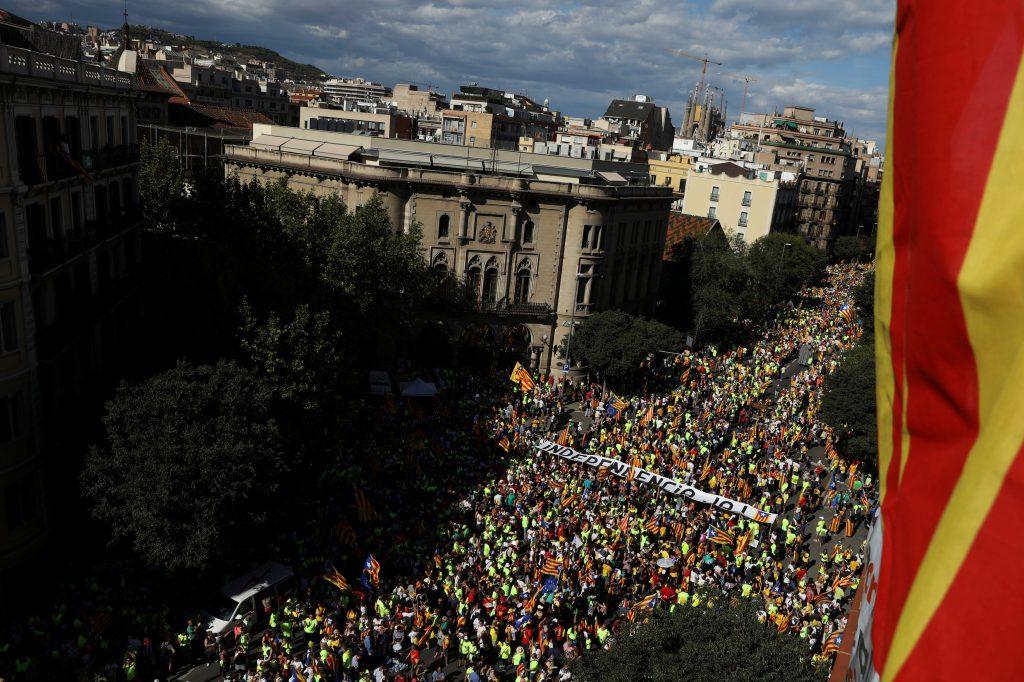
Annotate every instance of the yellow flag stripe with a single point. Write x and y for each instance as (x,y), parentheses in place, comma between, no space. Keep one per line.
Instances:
(992,293)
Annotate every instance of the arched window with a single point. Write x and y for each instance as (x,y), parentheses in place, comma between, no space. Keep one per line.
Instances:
(522,291)
(489,296)
(440,264)
(528,232)
(473,275)
(442,226)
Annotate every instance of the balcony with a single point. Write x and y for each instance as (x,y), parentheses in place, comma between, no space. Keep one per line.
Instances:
(51,253)
(742,223)
(506,308)
(714,196)
(110,156)
(584,308)
(745,202)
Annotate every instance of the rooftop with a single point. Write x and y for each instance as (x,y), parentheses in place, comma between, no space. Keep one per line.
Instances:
(629,109)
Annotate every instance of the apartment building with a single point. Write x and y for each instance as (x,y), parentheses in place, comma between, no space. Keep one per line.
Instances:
(541,241)
(484,117)
(671,170)
(798,141)
(748,203)
(383,122)
(415,102)
(640,119)
(356,89)
(70,259)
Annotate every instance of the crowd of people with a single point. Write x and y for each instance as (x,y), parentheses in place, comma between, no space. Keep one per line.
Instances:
(506,563)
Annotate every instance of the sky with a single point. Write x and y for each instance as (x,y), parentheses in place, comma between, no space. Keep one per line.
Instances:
(578,54)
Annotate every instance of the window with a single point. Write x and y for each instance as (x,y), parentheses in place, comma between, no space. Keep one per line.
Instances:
(739,235)
(586,236)
(528,232)
(110,131)
(647,231)
(622,233)
(76,211)
(472,139)
(8,327)
(598,234)
(472,124)
(490,293)
(94,132)
(743,219)
(124,130)
(634,232)
(443,226)
(746,198)
(56,229)
(654,179)
(19,504)
(522,290)
(711,212)
(473,281)
(714,193)
(4,252)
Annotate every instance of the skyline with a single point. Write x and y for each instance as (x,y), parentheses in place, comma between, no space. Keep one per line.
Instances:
(579,55)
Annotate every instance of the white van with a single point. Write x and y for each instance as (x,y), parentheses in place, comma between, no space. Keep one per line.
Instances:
(249,598)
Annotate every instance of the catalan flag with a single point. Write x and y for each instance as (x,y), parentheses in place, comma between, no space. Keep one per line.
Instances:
(648,416)
(335,578)
(648,602)
(551,566)
(685,376)
(371,568)
(743,541)
(653,526)
(364,510)
(522,377)
(832,643)
(949,329)
(721,537)
(563,438)
(504,443)
(344,532)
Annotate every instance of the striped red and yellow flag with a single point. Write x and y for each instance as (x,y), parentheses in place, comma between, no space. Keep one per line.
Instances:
(563,438)
(364,510)
(335,578)
(648,416)
(721,537)
(552,566)
(504,443)
(949,321)
(522,377)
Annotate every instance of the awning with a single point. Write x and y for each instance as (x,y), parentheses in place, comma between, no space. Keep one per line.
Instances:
(272,142)
(295,144)
(335,151)
(612,177)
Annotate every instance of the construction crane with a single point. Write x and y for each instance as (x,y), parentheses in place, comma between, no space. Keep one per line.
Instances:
(747,80)
(704,69)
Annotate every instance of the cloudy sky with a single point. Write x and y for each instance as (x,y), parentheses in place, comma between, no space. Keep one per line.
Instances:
(580,54)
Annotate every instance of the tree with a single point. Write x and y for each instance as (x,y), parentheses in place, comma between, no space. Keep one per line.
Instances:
(698,645)
(848,403)
(864,299)
(779,266)
(161,186)
(192,460)
(849,248)
(718,276)
(614,342)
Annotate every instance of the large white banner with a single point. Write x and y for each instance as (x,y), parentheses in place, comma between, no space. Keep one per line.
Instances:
(669,485)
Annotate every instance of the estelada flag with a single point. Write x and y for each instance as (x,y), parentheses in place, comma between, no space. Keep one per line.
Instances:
(364,510)
(563,438)
(335,578)
(522,377)
(721,537)
(949,329)
(551,566)
(648,416)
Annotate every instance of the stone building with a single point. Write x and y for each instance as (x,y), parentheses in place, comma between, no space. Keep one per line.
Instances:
(542,242)
(70,257)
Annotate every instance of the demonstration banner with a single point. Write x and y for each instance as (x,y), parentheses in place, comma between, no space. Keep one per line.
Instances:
(671,486)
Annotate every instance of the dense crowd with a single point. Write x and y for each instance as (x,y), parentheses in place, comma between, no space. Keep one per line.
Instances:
(512,563)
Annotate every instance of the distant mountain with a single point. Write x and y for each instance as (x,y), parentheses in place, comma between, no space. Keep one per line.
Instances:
(292,70)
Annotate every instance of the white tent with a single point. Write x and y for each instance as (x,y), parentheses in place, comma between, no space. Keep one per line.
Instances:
(417,388)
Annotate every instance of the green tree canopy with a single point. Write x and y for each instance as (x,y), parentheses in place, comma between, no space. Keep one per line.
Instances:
(718,277)
(614,342)
(192,460)
(161,186)
(779,266)
(701,645)
(848,404)
(849,247)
